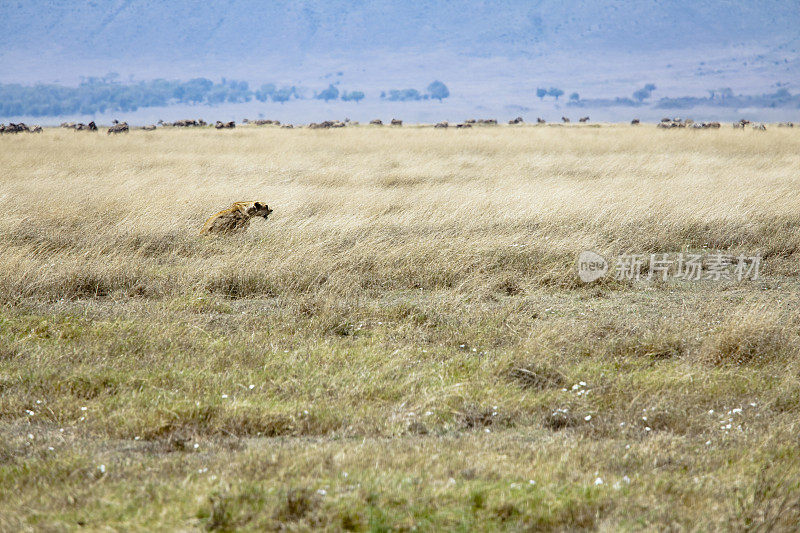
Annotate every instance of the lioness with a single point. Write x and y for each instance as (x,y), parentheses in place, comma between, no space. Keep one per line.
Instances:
(235,218)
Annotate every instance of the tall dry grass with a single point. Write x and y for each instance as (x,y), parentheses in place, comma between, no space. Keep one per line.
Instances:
(370,209)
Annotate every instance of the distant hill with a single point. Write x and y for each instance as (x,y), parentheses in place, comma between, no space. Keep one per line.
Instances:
(492,55)
(246,28)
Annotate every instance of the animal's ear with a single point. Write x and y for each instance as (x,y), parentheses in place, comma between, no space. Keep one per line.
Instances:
(257,205)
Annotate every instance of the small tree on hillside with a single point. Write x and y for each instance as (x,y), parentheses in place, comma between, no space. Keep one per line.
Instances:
(331,93)
(352,96)
(555,92)
(438,90)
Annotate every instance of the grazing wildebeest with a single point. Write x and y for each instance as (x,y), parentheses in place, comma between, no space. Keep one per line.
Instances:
(376,122)
(540,120)
(785,124)
(327,124)
(225,125)
(397,122)
(470,121)
(187,123)
(517,120)
(287,126)
(488,121)
(118,127)
(442,124)
(583,119)
(760,127)
(151,127)
(635,121)
(565,120)
(36,129)
(14,128)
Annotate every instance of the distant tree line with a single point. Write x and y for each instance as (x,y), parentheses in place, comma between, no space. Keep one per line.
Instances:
(101,94)
(98,95)
(716,98)
(435,91)
(725,98)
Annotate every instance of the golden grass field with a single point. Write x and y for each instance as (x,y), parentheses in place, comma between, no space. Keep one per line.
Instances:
(405,343)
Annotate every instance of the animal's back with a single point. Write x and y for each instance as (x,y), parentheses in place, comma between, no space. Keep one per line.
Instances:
(236,218)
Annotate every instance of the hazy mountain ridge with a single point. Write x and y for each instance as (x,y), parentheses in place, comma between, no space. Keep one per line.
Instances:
(490,56)
(185,29)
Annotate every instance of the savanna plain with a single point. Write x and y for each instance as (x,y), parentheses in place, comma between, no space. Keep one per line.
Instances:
(405,344)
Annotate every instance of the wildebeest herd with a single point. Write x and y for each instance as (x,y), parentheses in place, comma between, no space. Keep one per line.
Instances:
(19,127)
(123,127)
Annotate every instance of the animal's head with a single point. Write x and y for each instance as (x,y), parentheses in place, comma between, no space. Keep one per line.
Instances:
(259,210)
